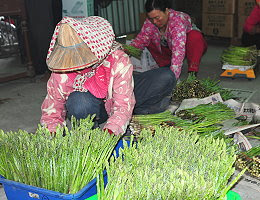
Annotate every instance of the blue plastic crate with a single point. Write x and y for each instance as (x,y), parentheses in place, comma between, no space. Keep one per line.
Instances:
(15,190)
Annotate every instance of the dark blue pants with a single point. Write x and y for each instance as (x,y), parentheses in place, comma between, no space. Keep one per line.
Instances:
(250,40)
(152,91)
(82,104)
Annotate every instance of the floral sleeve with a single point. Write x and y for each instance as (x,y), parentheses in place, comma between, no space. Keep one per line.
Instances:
(143,38)
(178,41)
(53,106)
(121,101)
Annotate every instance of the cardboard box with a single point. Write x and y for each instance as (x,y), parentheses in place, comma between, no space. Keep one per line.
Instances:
(219,6)
(245,7)
(77,8)
(220,25)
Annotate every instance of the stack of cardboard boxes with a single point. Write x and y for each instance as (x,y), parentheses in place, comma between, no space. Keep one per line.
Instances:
(225,18)
(218,18)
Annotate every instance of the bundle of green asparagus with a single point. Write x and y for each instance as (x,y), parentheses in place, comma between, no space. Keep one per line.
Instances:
(59,163)
(204,118)
(132,51)
(250,159)
(195,88)
(172,164)
(217,112)
(241,56)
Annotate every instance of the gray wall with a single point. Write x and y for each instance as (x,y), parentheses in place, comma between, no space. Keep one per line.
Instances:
(124,14)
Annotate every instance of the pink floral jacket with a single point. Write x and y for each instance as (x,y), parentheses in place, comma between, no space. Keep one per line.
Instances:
(179,24)
(253,19)
(119,101)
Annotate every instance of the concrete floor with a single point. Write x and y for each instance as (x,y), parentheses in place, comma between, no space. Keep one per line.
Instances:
(20,102)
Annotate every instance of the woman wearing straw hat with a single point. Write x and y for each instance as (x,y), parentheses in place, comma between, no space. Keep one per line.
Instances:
(90,75)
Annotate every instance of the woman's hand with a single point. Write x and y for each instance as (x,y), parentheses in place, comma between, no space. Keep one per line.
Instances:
(109,131)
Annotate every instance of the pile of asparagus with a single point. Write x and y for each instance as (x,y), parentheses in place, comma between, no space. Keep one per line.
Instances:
(198,88)
(59,163)
(205,119)
(250,159)
(241,56)
(172,164)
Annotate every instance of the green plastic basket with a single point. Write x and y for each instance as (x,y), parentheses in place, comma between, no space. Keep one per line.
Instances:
(231,195)
(94,197)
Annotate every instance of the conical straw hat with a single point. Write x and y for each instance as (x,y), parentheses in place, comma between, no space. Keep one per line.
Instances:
(70,53)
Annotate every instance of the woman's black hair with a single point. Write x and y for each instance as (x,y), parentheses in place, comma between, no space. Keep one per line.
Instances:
(156,5)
